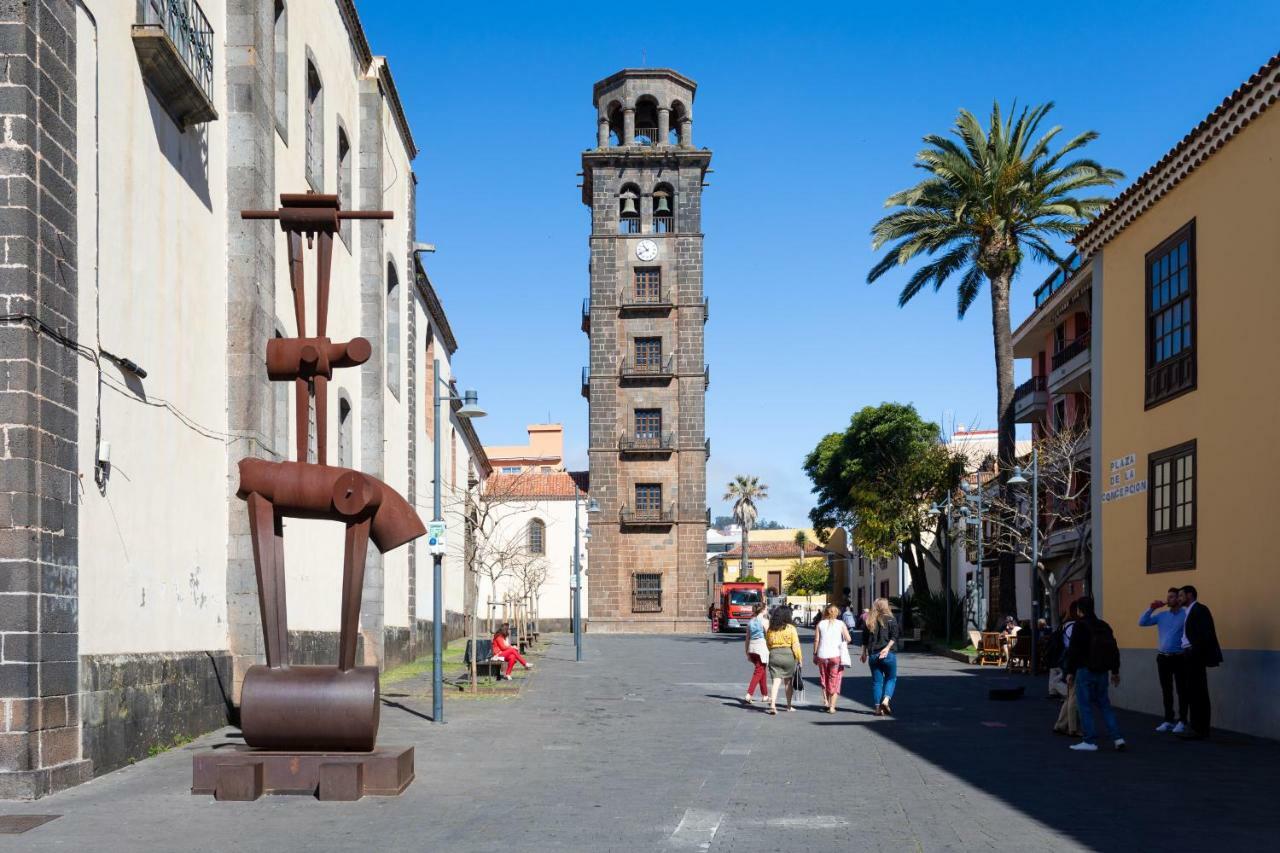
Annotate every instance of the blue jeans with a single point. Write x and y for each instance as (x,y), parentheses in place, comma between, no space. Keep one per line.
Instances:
(884,676)
(1091,689)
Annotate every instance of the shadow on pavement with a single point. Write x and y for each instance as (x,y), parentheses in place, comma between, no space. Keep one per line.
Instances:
(1162,793)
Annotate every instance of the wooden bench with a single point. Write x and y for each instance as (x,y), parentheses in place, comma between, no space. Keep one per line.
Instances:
(484,659)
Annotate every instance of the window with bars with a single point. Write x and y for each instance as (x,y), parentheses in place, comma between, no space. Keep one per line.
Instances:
(1171,290)
(648,424)
(648,499)
(648,353)
(1171,508)
(648,285)
(646,592)
(537,537)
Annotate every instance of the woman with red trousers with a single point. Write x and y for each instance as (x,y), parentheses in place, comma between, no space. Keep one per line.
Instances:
(506,651)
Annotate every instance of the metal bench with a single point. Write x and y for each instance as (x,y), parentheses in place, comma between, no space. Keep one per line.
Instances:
(484,659)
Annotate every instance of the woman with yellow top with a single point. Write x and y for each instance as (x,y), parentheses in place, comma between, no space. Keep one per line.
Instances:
(784,654)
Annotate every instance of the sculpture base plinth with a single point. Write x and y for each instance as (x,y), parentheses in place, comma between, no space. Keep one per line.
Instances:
(242,773)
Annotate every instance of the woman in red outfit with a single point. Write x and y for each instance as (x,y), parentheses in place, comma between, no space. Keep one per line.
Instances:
(506,651)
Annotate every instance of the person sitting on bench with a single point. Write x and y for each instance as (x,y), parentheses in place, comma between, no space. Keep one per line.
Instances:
(503,649)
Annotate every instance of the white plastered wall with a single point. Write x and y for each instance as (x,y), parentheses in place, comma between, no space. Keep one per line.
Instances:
(151,274)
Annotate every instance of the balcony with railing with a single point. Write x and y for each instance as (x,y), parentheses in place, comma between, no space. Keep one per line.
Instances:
(707,445)
(586,315)
(629,225)
(647,516)
(706,377)
(664,225)
(174,44)
(647,136)
(1071,366)
(1055,282)
(586,382)
(641,299)
(643,443)
(1030,400)
(649,368)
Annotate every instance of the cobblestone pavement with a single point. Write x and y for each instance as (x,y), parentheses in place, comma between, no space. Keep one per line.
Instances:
(645,747)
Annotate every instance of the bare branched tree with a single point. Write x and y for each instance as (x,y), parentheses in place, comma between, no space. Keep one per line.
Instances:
(1063,509)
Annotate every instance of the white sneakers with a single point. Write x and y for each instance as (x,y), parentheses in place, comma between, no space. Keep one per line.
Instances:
(1179,728)
(1165,727)
(1170,727)
(1085,746)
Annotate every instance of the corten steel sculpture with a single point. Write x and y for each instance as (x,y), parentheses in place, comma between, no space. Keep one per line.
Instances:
(312,709)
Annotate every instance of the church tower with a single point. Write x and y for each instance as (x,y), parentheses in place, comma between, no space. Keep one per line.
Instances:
(647,377)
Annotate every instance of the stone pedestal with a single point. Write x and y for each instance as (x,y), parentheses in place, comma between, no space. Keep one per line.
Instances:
(242,773)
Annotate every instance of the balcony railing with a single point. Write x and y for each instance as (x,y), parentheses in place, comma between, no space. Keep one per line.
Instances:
(646,442)
(647,515)
(707,444)
(631,298)
(646,136)
(645,368)
(629,225)
(664,224)
(1059,277)
(586,381)
(174,43)
(1071,350)
(586,314)
(706,377)
(1031,386)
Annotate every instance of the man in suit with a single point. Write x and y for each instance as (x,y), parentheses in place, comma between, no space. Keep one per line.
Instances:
(1200,651)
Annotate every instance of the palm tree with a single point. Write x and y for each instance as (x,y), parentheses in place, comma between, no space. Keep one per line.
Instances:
(991,196)
(744,491)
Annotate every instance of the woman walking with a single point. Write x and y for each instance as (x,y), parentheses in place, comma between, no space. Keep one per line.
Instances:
(784,654)
(879,639)
(831,653)
(757,653)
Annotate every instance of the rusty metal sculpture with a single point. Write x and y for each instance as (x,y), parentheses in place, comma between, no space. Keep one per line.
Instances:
(317,711)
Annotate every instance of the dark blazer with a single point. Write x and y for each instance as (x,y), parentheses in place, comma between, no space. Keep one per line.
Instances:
(1202,636)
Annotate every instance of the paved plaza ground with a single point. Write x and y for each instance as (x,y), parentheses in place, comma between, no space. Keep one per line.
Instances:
(644,746)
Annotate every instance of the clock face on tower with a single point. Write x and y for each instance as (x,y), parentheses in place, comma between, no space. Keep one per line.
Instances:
(646,250)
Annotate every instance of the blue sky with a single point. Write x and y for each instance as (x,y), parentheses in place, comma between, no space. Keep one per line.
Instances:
(814,117)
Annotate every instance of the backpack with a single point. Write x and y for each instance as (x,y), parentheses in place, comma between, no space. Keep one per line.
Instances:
(1104,653)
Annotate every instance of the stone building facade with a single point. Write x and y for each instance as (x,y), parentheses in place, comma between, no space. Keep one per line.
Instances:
(647,378)
(135,308)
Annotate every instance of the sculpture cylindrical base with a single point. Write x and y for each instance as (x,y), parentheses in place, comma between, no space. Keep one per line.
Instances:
(310,708)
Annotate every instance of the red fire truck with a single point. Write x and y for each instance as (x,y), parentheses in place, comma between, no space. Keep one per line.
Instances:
(736,600)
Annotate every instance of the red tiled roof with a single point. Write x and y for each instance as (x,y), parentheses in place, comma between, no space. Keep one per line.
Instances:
(1246,103)
(556,486)
(764,550)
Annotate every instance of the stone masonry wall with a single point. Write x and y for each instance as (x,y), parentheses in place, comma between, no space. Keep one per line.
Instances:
(39,625)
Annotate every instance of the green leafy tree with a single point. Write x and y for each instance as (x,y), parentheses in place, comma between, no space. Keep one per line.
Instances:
(809,577)
(991,196)
(745,491)
(878,479)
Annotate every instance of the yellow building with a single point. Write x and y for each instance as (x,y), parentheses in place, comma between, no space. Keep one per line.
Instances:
(1185,304)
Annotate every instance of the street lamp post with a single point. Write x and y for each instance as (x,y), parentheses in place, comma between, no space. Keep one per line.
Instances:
(592,506)
(1019,479)
(470,409)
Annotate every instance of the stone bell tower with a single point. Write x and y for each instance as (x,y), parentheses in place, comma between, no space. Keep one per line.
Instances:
(647,377)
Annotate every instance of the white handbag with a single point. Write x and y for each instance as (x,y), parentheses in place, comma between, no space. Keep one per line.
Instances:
(845,660)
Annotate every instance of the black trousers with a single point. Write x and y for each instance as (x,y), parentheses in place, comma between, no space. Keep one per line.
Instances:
(1170,670)
(1196,679)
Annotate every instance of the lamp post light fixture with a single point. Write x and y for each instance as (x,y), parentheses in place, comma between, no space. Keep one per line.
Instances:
(592,506)
(470,409)
(1019,479)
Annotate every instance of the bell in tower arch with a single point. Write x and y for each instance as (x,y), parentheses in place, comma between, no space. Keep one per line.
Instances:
(661,204)
(629,206)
